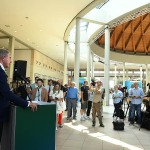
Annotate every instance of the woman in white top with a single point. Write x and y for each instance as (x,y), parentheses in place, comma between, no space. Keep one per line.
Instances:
(56,95)
(117,98)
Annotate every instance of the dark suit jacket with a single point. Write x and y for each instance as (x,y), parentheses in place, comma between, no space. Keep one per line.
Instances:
(7,96)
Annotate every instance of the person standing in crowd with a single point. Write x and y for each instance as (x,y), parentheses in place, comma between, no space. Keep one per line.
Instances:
(49,87)
(84,100)
(60,83)
(97,104)
(6,95)
(14,88)
(129,101)
(22,91)
(34,85)
(90,100)
(120,88)
(39,93)
(65,94)
(102,96)
(56,95)
(117,99)
(136,94)
(123,90)
(72,97)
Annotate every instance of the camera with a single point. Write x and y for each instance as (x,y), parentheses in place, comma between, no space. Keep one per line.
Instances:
(125,91)
(125,87)
(93,82)
(148,84)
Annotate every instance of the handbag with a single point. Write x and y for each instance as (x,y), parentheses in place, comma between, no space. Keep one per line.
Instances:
(63,105)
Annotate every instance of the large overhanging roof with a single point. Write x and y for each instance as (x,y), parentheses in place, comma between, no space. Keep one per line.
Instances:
(47,24)
(132,37)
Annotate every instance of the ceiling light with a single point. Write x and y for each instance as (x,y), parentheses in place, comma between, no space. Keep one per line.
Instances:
(8,26)
(15,31)
(40,30)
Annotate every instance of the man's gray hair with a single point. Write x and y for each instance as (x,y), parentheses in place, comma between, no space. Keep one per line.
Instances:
(3,52)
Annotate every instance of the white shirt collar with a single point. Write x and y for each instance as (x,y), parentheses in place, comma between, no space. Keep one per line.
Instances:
(2,66)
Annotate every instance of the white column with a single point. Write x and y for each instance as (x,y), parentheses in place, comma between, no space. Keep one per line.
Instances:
(88,64)
(107,63)
(147,77)
(127,77)
(77,53)
(123,74)
(65,80)
(92,65)
(115,74)
(141,73)
(11,49)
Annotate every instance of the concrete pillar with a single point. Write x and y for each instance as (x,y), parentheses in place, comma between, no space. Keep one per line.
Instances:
(32,67)
(65,79)
(10,70)
(92,65)
(107,63)
(77,53)
(141,73)
(147,74)
(115,74)
(127,77)
(123,74)
(88,64)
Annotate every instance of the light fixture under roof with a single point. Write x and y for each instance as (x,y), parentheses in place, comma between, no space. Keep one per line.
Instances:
(15,31)
(8,26)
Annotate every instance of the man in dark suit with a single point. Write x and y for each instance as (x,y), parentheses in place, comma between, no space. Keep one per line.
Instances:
(6,95)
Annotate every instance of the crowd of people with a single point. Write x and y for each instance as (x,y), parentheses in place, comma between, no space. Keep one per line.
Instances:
(91,98)
(134,95)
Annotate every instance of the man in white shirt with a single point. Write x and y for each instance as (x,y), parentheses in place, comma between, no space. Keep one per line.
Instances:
(49,88)
(39,93)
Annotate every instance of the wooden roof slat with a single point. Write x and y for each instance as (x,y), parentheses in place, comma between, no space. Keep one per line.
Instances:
(145,48)
(140,37)
(118,38)
(147,27)
(128,39)
(127,24)
(148,46)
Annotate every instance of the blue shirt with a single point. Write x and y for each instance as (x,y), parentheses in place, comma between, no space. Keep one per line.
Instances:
(117,96)
(136,92)
(72,93)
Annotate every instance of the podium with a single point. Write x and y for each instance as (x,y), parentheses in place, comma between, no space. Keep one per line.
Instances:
(28,130)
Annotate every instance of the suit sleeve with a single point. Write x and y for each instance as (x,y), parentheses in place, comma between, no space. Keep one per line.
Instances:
(8,94)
